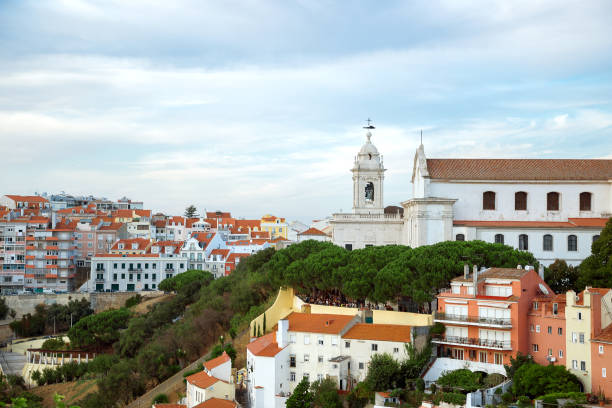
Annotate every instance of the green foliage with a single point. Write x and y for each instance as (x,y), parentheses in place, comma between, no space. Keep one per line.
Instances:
(301,396)
(455,398)
(463,379)
(493,379)
(54,344)
(561,277)
(4,309)
(59,401)
(177,282)
(420,384)
(191,211)
(437,329)
(100,329)
(134,300)
(516,363)
(596,270)
(415,362)
(575,397)
(507,398)
(160,399)
(383,372)
(324,394)
(533,380)
(47,318)
(219,349)
(359,396)
(198,368)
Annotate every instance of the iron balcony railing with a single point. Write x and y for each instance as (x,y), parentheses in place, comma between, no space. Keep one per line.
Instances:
(470,341)
(498,321)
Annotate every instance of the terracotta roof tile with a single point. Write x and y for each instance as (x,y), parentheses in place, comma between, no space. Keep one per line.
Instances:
(29,199)
(318,323)
(264,346)
(494,273)
(605,336)
(519,169)
(379,332)
(312,231)
(216,403)
(169,406)
(571,223)
(216,362)
(202,380)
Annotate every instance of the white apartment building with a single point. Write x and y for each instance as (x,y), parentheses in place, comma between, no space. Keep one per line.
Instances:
(198,247)
(554,208)
(317,346)
(132,272)
(248,246)
(215,381)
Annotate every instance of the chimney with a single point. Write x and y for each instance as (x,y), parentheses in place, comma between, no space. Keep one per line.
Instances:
(475,278)
(282,334)
(541,271)
(466,271)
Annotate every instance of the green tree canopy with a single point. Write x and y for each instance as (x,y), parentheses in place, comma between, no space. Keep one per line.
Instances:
(100,329)
(181,280)
(561,277)
(301,396)
(596,270)
(325,394)
(534,380)
(191,211)
(383,373)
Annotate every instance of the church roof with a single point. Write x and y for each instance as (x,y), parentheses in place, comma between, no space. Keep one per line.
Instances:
(520,169)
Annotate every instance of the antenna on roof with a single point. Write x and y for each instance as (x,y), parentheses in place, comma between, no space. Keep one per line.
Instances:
(370,125)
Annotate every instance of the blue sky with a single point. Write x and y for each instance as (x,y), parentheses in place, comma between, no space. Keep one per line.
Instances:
(257,106)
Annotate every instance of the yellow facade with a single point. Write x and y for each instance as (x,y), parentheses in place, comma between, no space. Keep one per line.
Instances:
(578,337)
(277,227)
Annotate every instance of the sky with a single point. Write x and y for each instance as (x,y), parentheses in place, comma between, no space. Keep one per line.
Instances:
(257,107)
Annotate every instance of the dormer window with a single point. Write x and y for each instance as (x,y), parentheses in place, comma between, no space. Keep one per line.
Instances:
(120,246)
(134,246)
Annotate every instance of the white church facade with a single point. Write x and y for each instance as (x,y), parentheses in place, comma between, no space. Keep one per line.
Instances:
(554,208)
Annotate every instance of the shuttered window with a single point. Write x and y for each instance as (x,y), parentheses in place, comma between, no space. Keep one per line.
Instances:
(520,201)
(552,201)
(585,201)
(488,200)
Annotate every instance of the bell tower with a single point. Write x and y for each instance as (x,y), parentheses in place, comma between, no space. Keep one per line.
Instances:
(368,176)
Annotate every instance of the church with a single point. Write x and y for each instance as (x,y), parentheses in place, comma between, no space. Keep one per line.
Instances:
(554,208)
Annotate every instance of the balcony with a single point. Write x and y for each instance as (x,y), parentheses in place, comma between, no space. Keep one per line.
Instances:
(100,280)
(472,342)
(472,320)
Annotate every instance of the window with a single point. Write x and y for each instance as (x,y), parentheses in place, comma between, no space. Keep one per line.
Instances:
(585,201)
(603,372)
(292,376)
(334,341)
(535,347)
(574,337)
(583,365)
(361,366)
(535,305)
(499,238)
(560,353)
(560,331)
(291,361)
(520,201)
(123,276)
(396,349)
(348,247)
(579,315)
(306,339)
(291,337)
(306,358)
(488,200)
(320,359)
(552,201)
(549,329)
(114,276)
(601,349)
(547,242)
(537,328)
(306,376)
(523,242)
(347,344)
(374,347)
(572,243)
(595,238)
(550,352)
(320,340)
(482,356)
(555,308)
(575,364)
(460,237)
(499,358)
(581,338)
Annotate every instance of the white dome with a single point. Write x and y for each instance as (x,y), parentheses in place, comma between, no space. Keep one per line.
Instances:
(368,157)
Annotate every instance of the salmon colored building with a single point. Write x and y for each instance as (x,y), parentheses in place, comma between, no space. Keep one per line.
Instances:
(547,329)
(601,362)
(484,315)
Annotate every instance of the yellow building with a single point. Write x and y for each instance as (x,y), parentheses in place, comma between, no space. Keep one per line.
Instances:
(277,227)
(585,315)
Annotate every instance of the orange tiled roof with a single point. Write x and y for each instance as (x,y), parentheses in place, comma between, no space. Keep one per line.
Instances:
(220,214)
(216,362)
(318,323)
(605,336)
(378,332)
(202,380)
(519,169)
(112,227)
(142,244)
(260,234)
(29,199)
(143,213)
(169,406)
(216,403)
(589,222)
(312,231)
(248,223)
(264,346)
(222,252)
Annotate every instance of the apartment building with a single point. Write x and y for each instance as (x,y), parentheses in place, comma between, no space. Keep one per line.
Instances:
(276,226)
(547,329)
(131,246)
(214,381)
(13,234)
(18,202)
(317,346)
(198,247)
(50,258)
(484,317)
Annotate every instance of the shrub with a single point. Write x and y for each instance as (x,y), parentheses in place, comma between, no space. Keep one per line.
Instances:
(54,344)
(160,399)
(420,384)
(493,379)
(462,378)
(133,301)
(455,398)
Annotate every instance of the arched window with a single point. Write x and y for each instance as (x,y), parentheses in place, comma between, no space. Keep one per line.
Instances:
(499,238)
(459,237)
(520,201)
(595,238)
(369,191)
(585,201)
(523,242)
(488,200)
(572,243)
(552,201)
(547,243)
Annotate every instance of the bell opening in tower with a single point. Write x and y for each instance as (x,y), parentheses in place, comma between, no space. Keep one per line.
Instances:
(369,192)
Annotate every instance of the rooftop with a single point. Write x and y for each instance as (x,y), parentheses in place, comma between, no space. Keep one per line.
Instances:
(379,332)
(216,362)
(318,323)
(264,346)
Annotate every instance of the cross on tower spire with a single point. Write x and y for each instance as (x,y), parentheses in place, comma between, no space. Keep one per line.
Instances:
(370,125)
